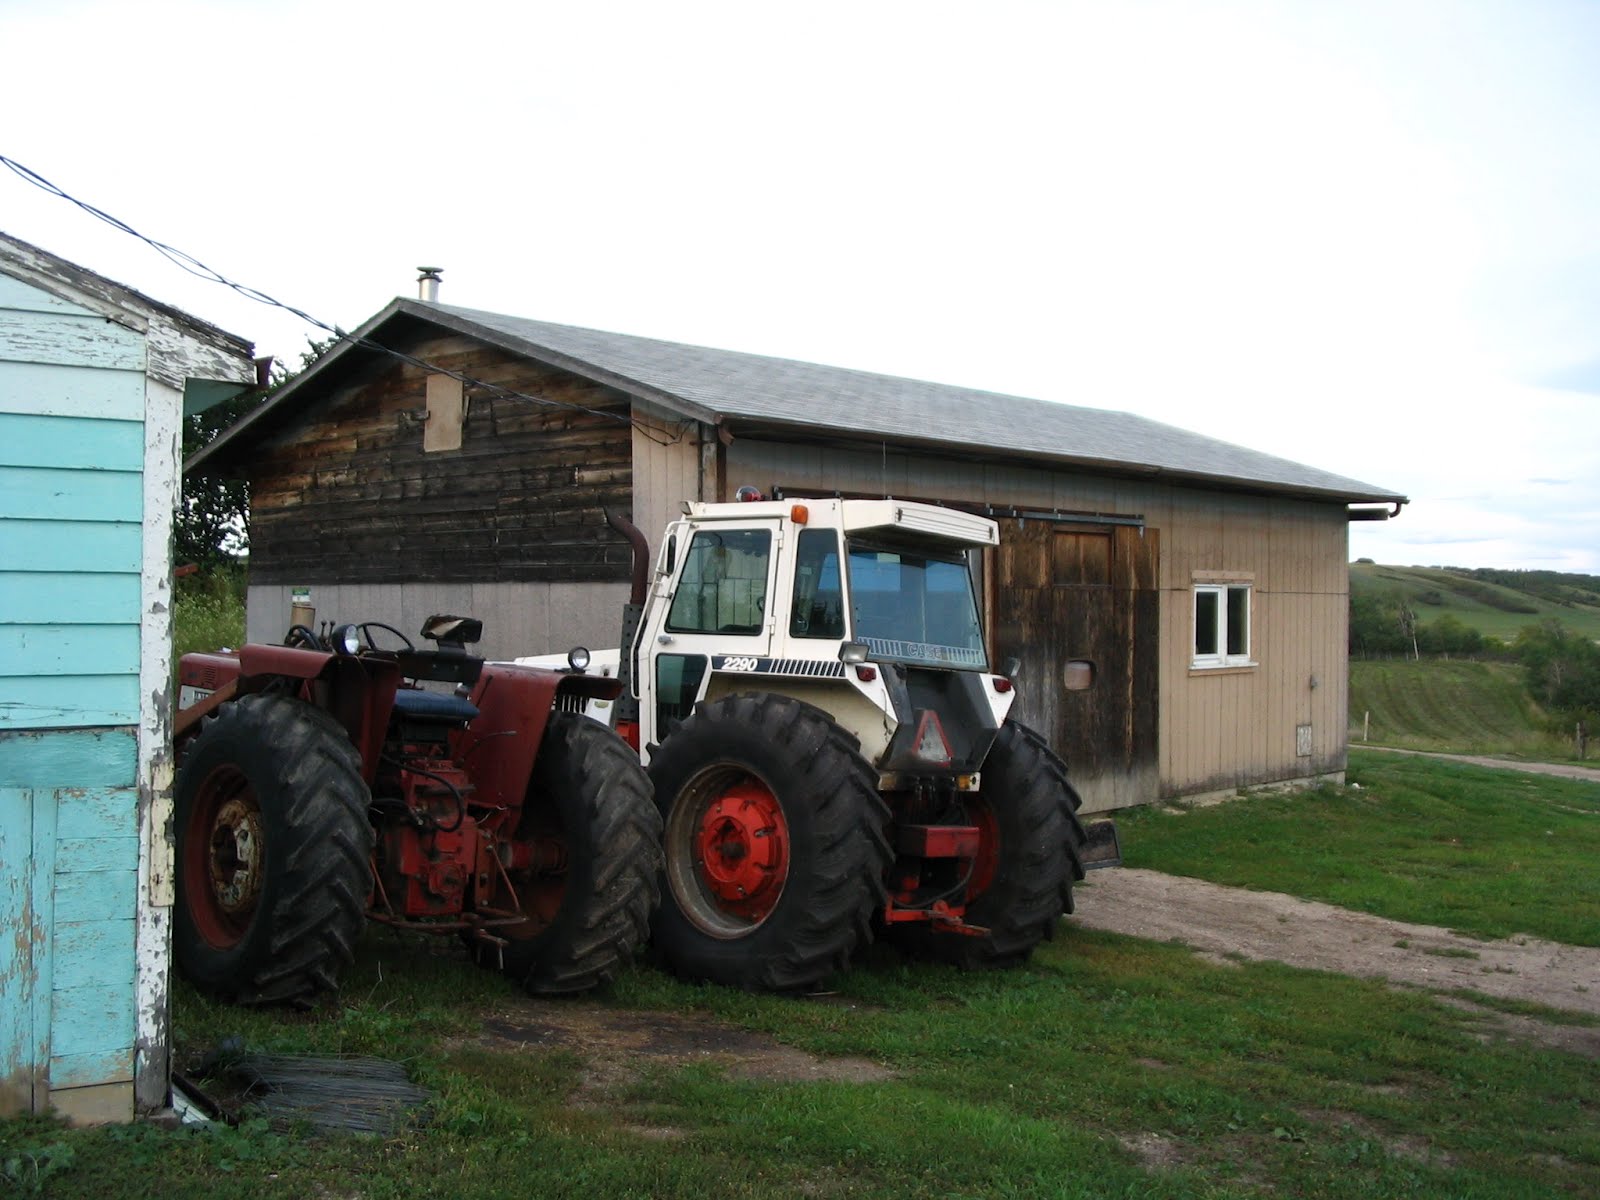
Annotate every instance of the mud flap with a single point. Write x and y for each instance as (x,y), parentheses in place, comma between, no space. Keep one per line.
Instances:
(1101,848)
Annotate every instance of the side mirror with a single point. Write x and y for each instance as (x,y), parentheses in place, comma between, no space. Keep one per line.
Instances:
(1010,667)
(1077,675)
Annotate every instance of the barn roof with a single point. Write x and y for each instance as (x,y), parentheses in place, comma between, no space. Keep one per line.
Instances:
(741,390)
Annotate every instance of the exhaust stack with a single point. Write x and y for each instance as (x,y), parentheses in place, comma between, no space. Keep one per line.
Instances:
(428,283)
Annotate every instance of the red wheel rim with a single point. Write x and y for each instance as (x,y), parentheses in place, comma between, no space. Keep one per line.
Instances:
(727,851)
(741,849)
(224,857)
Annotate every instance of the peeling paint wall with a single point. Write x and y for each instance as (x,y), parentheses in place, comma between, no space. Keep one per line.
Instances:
(153,943)
(89,475)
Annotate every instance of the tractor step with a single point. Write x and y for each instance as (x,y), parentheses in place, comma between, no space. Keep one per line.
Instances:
(1102,847)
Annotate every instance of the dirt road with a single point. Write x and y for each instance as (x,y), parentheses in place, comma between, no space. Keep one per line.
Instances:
(1230,923)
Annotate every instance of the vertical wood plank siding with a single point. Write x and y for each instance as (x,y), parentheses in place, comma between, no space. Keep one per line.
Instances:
(1217,730)
(68,889)
(666,471)
(353,498)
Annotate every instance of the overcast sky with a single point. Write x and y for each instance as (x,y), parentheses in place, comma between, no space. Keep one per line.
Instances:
(1364,236)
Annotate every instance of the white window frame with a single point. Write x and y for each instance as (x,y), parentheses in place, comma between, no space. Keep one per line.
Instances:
(1220,589)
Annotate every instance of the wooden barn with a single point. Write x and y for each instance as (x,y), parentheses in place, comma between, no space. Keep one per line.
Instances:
(1206,581)
(94,382)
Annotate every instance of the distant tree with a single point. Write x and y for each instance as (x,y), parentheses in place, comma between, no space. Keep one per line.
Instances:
(211,527)
(1562,669)
(1406,618)
(1372,626)
(1449,634)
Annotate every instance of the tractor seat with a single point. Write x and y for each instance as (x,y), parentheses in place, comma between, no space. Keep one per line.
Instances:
(416,705)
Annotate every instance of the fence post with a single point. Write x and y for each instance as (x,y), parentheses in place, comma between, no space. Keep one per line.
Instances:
(1366,724)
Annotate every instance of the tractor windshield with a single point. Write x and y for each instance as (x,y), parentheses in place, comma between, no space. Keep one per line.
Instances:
(915,607)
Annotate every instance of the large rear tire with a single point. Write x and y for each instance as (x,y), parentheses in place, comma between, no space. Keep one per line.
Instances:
(1028,857)
(273,852)
(587,918)
(774,843)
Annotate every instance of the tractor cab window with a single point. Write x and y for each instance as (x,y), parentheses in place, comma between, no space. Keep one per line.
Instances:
(915,607)
(723,586)
(818,609)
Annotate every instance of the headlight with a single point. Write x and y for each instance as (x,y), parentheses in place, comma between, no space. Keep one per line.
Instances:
(578,658)
(347,639)
(854,652)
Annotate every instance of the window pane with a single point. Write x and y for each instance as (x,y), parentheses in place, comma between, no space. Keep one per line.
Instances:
(723,588)
(1239,622)
(678,679)
(818,609)
(1205,622)
(910,606)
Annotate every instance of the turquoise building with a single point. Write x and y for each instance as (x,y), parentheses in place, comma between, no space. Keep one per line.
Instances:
(94,381)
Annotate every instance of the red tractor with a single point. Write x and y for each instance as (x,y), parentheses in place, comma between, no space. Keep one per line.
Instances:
(323,783)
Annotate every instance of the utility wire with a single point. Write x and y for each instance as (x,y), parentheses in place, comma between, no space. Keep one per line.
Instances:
(194,266)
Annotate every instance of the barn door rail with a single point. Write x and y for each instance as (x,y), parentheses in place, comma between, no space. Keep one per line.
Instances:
(1067,517)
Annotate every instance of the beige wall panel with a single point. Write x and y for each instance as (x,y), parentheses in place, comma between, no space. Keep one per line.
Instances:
(266,612)
(419,601)
(588,614)
(1216,730)
(666,471)
(518,618)
(520,621)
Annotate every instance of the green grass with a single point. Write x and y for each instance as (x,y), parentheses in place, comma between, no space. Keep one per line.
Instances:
(1109,1066)
(1252,1080)
(1482,851)
(1244,1080)
(1450,706)
(1487,607)
(207,613)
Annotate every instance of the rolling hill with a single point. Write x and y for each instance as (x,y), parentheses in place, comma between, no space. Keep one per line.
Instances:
(1497,603)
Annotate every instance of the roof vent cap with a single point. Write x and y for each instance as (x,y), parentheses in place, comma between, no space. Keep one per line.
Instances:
(428,283)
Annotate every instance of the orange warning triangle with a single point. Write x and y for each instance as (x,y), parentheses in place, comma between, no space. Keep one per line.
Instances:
(931,745)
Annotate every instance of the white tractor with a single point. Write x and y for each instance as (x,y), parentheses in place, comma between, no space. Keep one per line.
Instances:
(807,683)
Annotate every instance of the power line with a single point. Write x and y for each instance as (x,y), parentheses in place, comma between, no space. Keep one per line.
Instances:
(195,267)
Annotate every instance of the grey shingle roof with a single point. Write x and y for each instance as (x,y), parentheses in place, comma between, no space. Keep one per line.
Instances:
(714,385)
(727,383)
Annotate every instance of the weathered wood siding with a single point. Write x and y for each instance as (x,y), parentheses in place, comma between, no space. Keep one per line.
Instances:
(1216,729)
(1066,591)
(354,498)
(72,496)
(72,393)
(69,872)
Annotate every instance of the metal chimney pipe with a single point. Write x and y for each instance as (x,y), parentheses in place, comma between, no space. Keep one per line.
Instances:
(428,283)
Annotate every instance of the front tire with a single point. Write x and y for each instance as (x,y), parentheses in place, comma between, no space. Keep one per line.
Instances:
(586,920)
(774,843)
(273,850)
(1029,848)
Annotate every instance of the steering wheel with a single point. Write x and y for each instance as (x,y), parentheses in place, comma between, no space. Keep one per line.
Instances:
(368,626)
